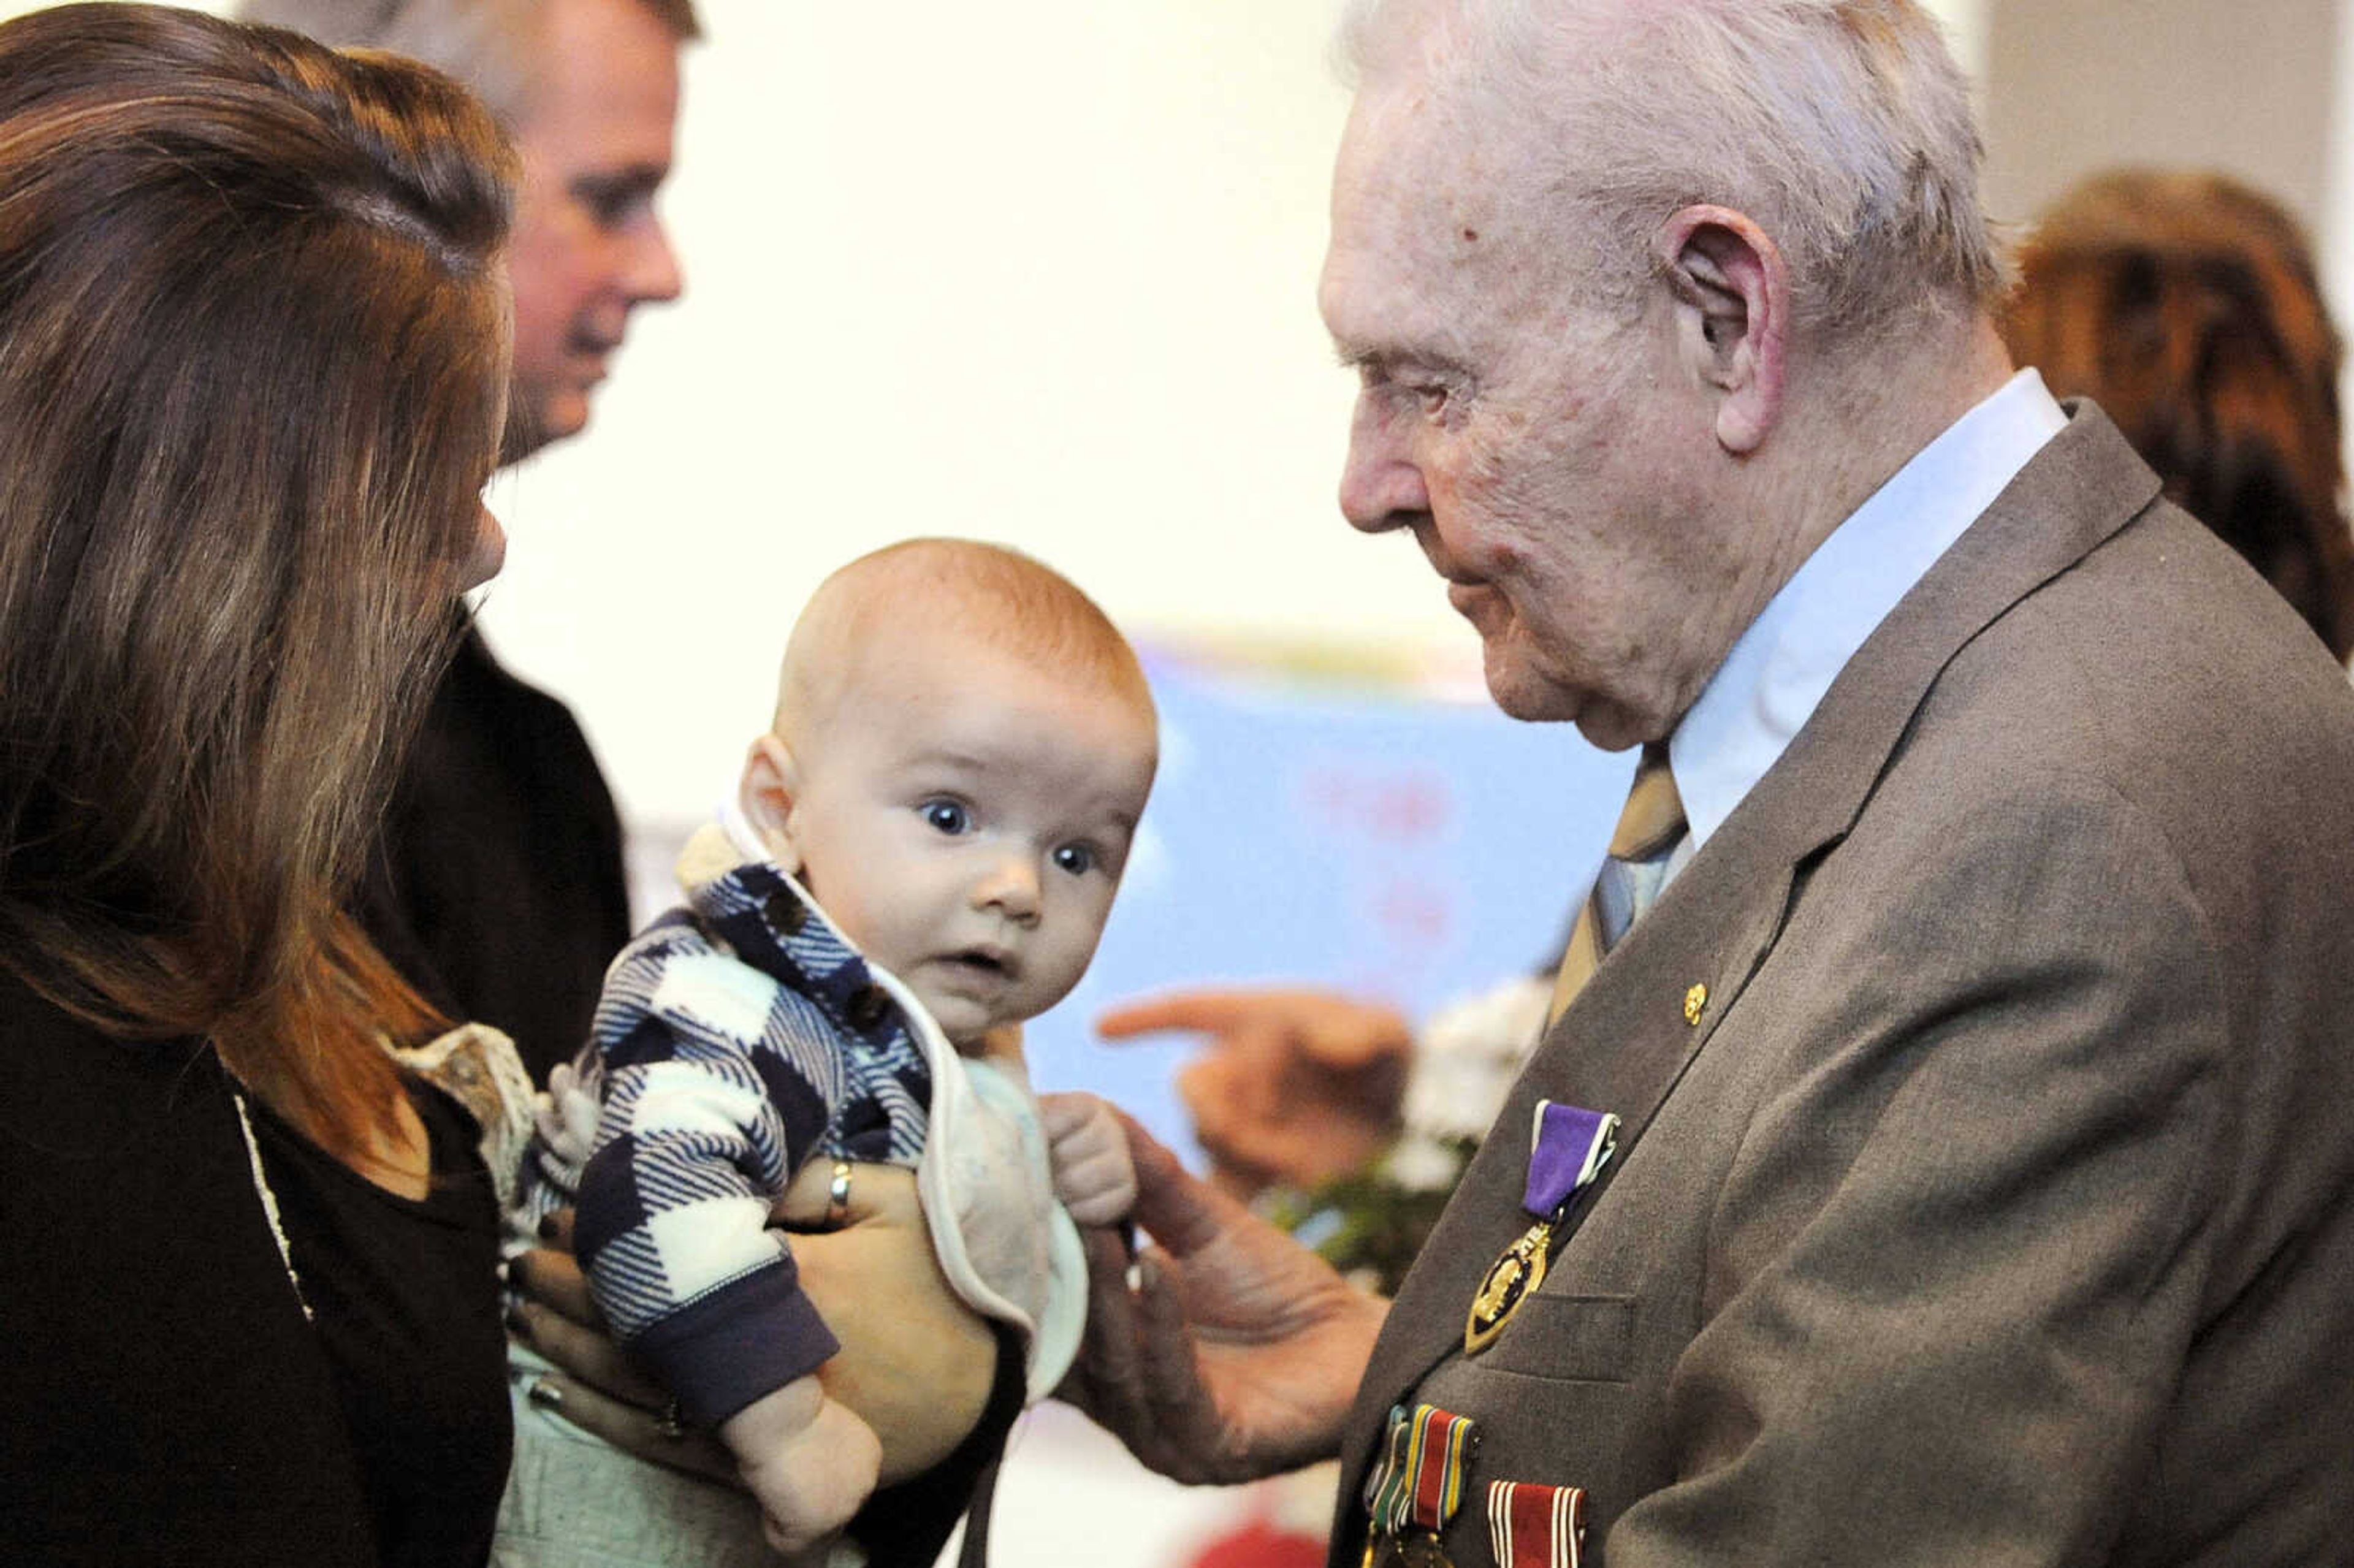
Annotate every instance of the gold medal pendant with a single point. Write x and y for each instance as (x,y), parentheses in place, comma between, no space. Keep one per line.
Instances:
(1518,1269)
(1414,1549)
(1420,1550)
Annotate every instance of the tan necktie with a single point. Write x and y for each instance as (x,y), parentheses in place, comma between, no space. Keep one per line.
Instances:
(1631,876)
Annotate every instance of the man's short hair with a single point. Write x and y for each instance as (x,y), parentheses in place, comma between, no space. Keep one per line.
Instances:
(1842,127)
(491,45)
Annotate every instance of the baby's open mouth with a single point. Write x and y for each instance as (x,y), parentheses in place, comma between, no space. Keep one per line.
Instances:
(984,963)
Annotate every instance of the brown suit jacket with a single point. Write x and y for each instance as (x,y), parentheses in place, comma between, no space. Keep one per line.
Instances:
(2000,1206)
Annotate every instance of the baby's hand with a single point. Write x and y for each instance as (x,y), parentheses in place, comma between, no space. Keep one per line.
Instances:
(565,1115)
(1093,1176)
(810,1463)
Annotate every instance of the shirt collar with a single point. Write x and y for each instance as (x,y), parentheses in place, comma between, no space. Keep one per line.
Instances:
(1767,687)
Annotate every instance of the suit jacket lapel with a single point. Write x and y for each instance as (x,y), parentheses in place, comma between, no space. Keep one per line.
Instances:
(1626,1040)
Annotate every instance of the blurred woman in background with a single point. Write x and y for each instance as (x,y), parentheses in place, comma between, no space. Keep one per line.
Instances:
(252,360)
(2187,306)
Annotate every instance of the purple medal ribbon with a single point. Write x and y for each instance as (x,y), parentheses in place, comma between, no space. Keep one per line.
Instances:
(1568,1149)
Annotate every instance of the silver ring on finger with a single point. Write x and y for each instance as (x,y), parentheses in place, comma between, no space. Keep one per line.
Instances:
(837,1196)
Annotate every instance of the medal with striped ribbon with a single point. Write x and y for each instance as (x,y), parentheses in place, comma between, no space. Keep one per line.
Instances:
(1416,1488)
(1536,1527)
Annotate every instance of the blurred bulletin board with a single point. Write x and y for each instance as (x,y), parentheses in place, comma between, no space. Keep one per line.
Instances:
(1357,833)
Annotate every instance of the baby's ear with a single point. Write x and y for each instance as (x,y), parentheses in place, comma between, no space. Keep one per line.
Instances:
(773,782)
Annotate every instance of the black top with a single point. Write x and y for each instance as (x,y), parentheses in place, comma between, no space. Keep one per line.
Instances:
(406,1306)
(500,891)
(163,1402)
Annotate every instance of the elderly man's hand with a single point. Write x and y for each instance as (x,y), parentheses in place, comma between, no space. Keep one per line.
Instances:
(1236,1352)
(1291,1085)
(918,1372)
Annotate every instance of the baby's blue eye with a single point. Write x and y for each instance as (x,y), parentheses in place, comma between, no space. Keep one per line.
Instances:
(948,816)
(1077,859)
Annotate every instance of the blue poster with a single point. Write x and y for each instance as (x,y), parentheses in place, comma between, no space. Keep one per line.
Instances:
(1393,846)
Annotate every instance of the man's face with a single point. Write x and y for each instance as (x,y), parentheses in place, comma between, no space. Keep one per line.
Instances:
(1547,454)
(588,248)
(965,820)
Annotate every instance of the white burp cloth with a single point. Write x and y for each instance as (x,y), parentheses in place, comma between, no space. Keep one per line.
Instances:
(1007,1247)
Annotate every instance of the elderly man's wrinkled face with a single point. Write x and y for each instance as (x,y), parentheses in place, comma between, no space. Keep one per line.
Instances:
(1545,454)
(587,247)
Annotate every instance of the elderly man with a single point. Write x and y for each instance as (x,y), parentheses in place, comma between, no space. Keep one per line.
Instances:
(1948,1162)
(501,893)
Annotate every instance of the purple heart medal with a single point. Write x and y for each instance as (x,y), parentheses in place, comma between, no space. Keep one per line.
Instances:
(1568,1147)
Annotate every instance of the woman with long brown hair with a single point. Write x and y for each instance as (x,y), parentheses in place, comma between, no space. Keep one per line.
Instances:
(252,360)
(2187,306)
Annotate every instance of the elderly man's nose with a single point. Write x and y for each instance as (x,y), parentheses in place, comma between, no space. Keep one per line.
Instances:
(1381,487)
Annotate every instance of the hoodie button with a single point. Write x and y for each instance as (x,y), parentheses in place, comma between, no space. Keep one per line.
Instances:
(866,1007)
(786,912)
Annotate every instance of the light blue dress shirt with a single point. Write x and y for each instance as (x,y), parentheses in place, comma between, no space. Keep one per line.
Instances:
(1762,694)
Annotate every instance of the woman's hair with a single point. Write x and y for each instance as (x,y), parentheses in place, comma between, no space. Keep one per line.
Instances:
(252,368)
(2186,304)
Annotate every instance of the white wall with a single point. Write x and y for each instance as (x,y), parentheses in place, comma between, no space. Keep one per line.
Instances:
(1040,272)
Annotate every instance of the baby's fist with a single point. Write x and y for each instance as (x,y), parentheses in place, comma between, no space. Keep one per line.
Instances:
(1093,1175)
(810,1463)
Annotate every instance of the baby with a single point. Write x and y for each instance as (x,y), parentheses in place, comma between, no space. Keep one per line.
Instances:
(921,854)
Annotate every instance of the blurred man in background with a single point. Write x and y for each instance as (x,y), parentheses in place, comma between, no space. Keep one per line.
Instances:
(501,891)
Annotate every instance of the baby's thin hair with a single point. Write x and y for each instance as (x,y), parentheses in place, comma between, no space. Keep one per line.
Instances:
(1004,599)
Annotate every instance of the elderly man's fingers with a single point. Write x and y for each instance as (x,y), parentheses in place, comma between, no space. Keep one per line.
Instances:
(1178,1209)
(644,1433)
(1102,1382)
(588,1354)
(553,1280)
(1167,1372)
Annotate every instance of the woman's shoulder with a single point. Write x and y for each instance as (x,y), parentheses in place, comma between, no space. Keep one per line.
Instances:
(67,1090)
(182,1411)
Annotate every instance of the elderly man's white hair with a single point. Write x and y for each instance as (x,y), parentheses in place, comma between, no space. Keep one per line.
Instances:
(1842,127)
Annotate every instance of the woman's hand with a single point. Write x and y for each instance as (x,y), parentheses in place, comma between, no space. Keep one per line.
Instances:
(916,1362)
(918,1372)
(596,1387)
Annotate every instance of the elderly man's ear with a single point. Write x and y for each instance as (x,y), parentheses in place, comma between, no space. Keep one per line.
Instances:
(1732,317)
(771,784)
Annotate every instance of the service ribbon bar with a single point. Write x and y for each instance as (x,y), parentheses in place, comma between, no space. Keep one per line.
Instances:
(1440,1443)
(1418,1485)
(1386,1486)
(1531,1526)
(1568,1147)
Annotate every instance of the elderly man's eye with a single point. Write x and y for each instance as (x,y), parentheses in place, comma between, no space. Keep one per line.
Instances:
(948,816)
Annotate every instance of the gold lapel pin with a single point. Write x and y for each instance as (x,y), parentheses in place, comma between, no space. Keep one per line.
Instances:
(1695,1003)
